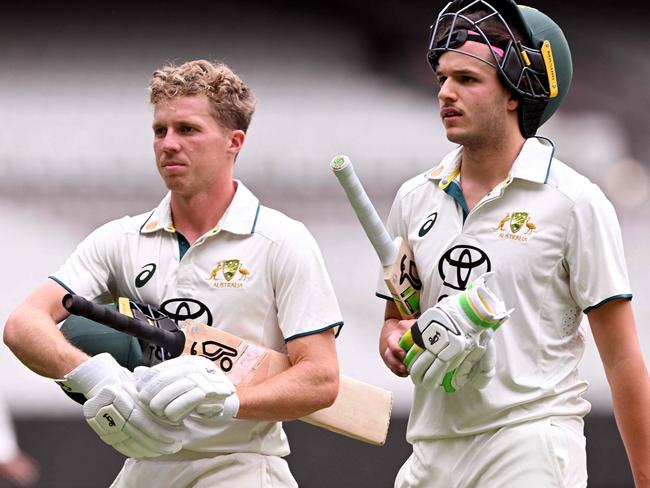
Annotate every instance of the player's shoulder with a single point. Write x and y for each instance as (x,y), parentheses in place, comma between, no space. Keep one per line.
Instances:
(570,183)
(277,226)
(126,225)
(416,185)
(133,224)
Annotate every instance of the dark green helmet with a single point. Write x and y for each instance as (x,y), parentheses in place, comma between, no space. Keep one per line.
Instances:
(530,52)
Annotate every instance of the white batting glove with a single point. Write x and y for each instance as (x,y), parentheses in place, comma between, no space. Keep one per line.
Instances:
(114,413)
(450,344)
(95,373)
(175,388)
(126,425)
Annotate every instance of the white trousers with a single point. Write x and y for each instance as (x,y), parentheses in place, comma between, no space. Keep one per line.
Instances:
(547,453)
(227,470)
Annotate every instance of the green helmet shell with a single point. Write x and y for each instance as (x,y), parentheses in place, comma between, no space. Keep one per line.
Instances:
(537,67)
(94,338)
(539,28)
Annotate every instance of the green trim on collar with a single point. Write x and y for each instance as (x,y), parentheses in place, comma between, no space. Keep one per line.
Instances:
(148,218)
(533,163)
(257,214)
(627,296)
(183,245)
(454,191)
(550,159)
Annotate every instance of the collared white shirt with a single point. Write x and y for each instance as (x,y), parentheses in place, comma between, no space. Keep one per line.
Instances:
(554,242)
(257,274)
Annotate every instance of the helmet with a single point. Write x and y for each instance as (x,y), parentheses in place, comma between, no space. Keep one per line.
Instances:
(530,52)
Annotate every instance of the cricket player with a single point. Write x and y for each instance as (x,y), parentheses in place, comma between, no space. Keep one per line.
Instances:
(502,203)
(210,252)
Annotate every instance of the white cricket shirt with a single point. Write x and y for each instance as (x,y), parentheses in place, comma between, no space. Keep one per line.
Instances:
(257,274)
(554,242)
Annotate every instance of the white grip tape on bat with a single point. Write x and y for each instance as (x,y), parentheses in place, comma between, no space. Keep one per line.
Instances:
(366,213)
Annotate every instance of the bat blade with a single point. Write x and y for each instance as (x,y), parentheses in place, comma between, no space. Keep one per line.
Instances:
(403,282)
(400,274)
(361,411)
(245,364)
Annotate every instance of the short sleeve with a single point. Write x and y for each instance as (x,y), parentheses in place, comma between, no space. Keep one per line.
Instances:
(88,271)
(304,293)
(594,252)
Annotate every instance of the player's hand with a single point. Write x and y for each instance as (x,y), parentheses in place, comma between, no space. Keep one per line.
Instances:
(450,344)
(123,423)
(393,355)
(175,388)
(113,410)
(95,373)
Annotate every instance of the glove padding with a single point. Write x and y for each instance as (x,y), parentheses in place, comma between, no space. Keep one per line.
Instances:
(450,344)
(114,413)
(124,424)
(175,388)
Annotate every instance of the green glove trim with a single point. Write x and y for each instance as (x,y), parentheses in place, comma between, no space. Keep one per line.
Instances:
(446,381)
(469,311)
(410,355)
(406,341)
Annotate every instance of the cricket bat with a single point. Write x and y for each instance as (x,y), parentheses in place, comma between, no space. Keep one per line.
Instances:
(361,411)
(400,273)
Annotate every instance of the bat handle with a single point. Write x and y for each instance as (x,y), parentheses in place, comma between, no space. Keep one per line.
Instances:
(172,342)
(366,213)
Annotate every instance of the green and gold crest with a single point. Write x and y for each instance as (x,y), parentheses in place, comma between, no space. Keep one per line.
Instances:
(517,221)
(230,268)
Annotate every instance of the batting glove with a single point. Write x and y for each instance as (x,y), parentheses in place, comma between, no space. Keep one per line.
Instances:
(450,344)
(175,388)
(114,412)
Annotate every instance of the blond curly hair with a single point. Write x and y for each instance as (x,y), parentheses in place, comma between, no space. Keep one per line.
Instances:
(232,102)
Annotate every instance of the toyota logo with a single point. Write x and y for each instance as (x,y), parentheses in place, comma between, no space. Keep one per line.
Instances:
(181,309)
(458,263)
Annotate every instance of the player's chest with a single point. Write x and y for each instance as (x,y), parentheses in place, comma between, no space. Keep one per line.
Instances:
(522,230)
(203,281)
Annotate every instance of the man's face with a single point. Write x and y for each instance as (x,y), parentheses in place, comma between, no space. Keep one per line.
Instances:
(474,106)
(192,150)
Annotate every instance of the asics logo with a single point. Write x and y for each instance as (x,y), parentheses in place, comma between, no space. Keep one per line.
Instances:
(145,275)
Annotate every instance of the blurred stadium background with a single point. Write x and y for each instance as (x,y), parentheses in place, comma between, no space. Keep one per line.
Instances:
(330,77)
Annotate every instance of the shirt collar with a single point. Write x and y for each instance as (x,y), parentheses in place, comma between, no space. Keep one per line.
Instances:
(447,170)
(533,163)
(240,216)
(534,160)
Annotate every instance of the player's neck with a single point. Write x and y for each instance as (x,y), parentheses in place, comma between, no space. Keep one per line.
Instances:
(484,166)
(195,215)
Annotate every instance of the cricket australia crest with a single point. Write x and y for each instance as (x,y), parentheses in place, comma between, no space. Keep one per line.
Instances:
(517,221)
(512,223)
(229,273)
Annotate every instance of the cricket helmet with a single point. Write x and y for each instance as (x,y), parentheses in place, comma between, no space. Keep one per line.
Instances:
(94,338)
(530,52)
